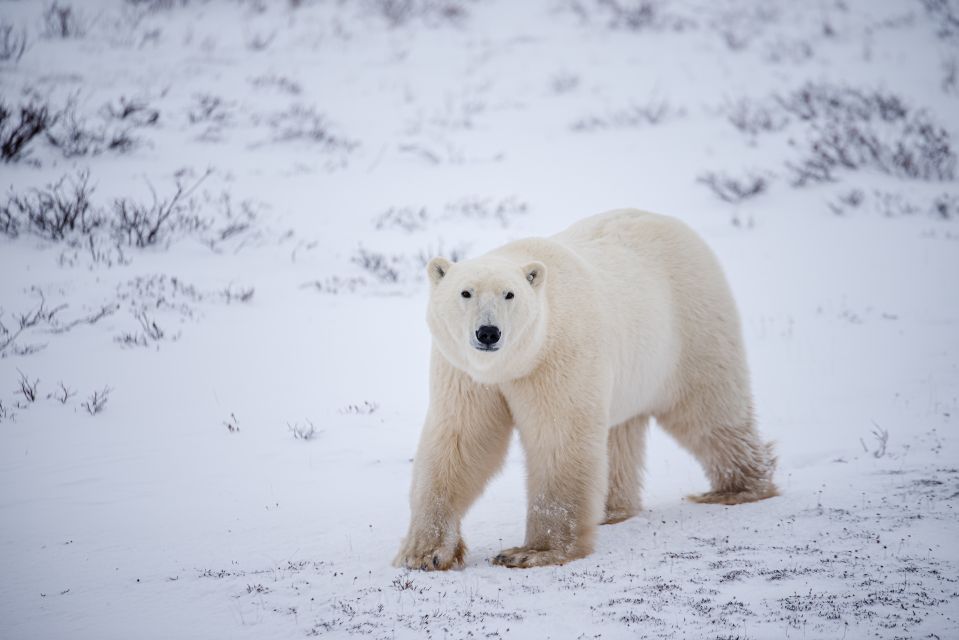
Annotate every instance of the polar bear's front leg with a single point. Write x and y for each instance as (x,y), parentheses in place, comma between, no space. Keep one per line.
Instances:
(464,442)
(567,481)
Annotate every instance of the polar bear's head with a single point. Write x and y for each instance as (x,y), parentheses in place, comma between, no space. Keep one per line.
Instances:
(488,315)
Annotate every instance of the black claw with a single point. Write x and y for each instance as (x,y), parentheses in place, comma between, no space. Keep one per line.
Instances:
(524,559)
(436,561)
(499,558)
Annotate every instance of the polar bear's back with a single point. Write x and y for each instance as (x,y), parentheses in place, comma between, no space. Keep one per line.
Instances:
(669,309)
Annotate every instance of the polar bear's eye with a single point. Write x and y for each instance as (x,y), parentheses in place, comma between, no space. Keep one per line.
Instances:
(509,295)
(466,294)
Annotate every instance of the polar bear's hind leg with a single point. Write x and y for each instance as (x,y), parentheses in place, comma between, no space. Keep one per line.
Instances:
(738,464)
(627,451)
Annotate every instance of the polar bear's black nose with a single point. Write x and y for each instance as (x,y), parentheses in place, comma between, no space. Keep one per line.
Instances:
(488,335)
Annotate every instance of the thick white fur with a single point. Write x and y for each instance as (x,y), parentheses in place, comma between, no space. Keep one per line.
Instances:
(623,316)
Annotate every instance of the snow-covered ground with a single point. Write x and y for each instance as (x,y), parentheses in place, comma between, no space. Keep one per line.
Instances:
(261,338)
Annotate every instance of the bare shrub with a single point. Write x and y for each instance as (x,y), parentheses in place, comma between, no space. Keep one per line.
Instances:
(919,149)
(385,268)
(155,6)
(851,199)
(300,122)
(53,212)
(76,135)
(62,393)
(752,117)
(232,425)
(628,15)
(399,13)
(61,21)
(502,210)
(20,126)
(364,408)
(455,253)
(851,129)
(31,319)
(135,111)
(143,225)
(787,51)
(881,436)
(564,82)
(43,318)
(734,190)
(946,206)
(96,401)
(408,219)
(893,204)
(260,41)
(150,332)
(950,75)
(335,284)
(208,108)
(5,413)
(302,431)
(281,83)
(13,42)
(27,388)
(945,15)
(231,294)
(828,102)
(635,115)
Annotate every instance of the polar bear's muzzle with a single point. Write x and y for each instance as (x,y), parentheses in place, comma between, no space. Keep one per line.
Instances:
(487,338)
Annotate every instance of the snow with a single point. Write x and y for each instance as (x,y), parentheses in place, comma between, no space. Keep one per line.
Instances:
(190,508)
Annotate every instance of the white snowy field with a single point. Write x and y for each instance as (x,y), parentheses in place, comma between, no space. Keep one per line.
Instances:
(257,347)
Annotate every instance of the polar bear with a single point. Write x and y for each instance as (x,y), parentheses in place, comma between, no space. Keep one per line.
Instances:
(576,341)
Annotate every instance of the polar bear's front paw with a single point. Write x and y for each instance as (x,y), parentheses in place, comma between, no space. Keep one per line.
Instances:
(427,556)
(524,557)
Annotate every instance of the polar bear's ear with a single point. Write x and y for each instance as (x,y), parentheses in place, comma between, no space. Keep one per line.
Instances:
(437,268)
(535,273)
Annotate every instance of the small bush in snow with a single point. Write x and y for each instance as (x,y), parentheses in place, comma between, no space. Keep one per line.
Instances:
(232,425)
(13,42)
(881,436)
(852,129)
(46,319)
(154,6)
(135,111)
(752,117)
(851,199)
(304,431)
(635,115)
(628,15)
(53,212)
(62,393)
(300,122)
(406,218)
(398,13)
(946,206)
(19,126)
(27,388)
(335,284)
(365,408)
(141,224)
(150,332)
(734,190)
(96,401)
(383,267)
(61,21)
(945,15)
(76,135)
